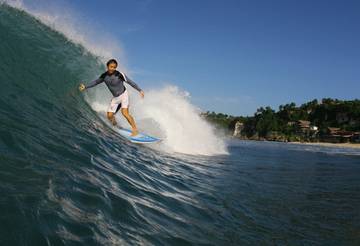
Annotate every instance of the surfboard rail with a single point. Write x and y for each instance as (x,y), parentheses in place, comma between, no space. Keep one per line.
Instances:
(140,138)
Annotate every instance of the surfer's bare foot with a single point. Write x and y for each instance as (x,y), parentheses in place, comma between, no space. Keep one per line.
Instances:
(134,133)
(113,121)
(111,117)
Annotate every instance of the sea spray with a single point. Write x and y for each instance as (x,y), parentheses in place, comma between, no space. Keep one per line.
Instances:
(65,20)
(167,113)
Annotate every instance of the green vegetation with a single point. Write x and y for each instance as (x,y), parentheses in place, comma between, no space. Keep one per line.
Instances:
(288,122)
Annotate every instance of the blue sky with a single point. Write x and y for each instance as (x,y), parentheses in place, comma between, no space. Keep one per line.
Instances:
(235,56)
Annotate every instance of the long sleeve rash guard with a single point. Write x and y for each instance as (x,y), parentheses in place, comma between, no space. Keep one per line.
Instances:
(115,82)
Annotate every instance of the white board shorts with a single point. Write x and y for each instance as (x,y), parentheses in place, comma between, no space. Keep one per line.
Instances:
(123,99)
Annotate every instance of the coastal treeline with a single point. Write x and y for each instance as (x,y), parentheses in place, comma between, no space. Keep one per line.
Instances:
(328,120)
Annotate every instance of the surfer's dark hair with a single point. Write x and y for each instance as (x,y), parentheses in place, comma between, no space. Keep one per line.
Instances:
(111,61)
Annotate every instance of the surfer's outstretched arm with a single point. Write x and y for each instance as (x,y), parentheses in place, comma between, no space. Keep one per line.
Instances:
(91,84)
(94,83)
(133,84)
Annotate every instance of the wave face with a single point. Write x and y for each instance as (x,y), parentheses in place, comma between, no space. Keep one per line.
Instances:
(67,176)
(165,112)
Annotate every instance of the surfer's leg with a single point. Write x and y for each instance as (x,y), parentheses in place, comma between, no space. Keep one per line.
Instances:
(130,119)
(111,117)
(112,109)
(124,100)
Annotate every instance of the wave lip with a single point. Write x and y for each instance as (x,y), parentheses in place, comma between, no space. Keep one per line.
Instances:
(64,20)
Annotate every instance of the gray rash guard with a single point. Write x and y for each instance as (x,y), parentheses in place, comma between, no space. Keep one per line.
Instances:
(115,82)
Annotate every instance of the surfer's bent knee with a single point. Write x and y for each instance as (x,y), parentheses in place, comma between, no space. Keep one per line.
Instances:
(110,115)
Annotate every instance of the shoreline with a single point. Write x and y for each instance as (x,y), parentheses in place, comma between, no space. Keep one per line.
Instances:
(342,145)
(324,144)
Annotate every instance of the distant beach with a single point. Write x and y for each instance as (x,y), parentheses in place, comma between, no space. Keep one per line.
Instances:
(342,145)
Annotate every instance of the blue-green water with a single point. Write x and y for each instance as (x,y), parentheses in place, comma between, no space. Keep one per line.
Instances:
(67,179)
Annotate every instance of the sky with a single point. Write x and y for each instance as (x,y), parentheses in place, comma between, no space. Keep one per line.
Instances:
(236,56)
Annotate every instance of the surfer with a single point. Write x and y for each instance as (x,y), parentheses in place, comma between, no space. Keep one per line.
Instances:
(114,80)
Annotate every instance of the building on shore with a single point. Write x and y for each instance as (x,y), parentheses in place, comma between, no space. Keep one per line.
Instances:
(239,126)
(356,137)
(336,135)
(306,129)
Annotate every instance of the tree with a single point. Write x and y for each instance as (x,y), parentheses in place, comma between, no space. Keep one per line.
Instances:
(266,121)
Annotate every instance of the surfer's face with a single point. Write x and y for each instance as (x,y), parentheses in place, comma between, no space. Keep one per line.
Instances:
(111,68)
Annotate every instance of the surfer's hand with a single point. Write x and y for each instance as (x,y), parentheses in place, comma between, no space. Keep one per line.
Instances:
(81,87)
(142,94)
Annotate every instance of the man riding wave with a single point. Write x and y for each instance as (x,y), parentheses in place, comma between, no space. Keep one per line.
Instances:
(114,80)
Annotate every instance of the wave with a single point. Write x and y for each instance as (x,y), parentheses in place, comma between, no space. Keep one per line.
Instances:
(165,111)
(65,175)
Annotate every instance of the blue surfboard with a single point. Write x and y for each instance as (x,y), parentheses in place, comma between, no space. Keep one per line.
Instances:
(140,138)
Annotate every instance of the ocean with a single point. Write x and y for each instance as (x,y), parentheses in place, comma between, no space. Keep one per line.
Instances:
(68,178)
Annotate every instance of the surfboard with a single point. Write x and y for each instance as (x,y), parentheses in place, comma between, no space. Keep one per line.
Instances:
(140,138)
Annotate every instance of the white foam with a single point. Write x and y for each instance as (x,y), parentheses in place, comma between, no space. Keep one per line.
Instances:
(167,113)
